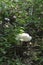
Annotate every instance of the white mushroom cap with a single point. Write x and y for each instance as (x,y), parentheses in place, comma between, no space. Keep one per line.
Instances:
(7,19)
(14,16)
(24,37)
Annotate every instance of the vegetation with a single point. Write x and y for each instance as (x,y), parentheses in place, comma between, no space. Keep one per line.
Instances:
(18,16)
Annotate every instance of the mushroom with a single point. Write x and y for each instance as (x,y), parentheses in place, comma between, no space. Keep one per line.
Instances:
(24,38)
